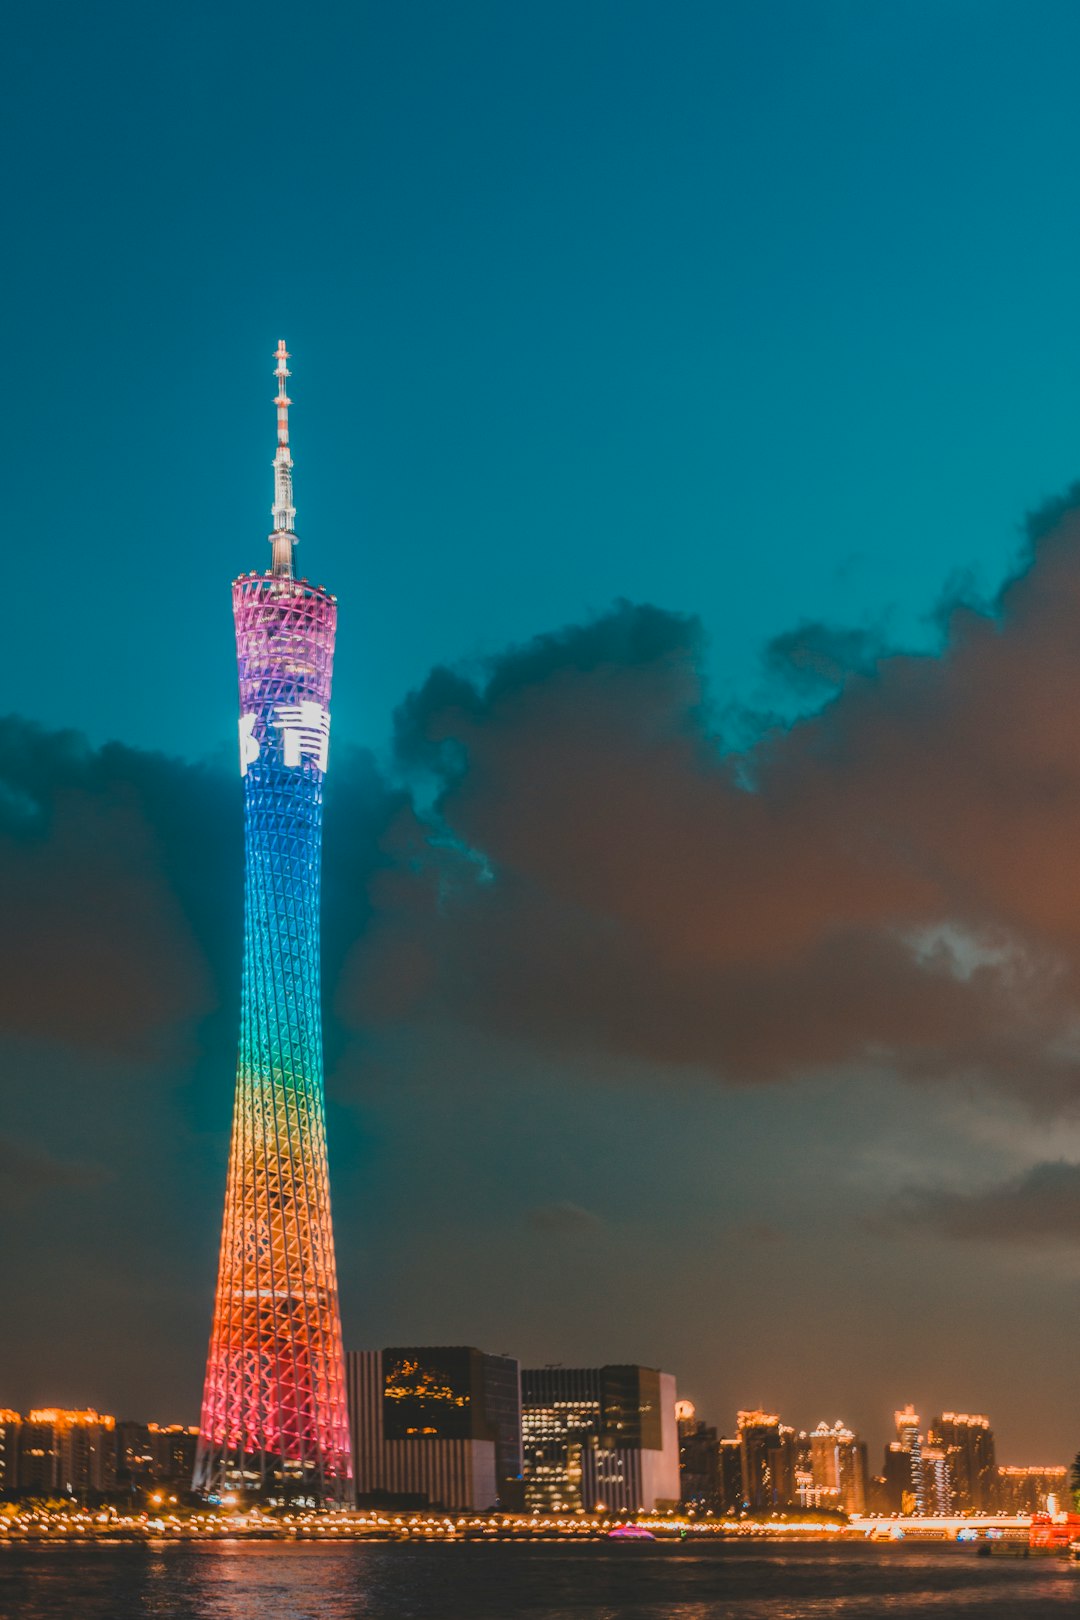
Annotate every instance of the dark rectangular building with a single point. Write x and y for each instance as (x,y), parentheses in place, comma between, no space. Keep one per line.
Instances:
(435,1424)
(599,1437)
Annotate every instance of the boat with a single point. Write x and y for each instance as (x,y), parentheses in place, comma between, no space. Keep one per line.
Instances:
(1054,1533)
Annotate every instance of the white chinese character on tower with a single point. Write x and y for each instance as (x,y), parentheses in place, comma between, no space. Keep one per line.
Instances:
(249,743)
(305,730)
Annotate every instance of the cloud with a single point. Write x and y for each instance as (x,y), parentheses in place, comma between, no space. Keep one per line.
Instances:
(97,948)
(564,1218)
(121,888)
(762,1232)
(571,860)
(893,880)
(815,656)
(1042,1206)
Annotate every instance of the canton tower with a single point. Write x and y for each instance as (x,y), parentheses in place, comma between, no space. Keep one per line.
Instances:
(273,1416)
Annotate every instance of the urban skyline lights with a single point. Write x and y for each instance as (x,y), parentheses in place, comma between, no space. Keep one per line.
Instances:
(83,1417)
(478,1445)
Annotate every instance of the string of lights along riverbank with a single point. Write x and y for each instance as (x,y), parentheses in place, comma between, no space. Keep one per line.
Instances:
(274,1420)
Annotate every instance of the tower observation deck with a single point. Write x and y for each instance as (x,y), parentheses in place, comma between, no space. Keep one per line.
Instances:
(274,1420)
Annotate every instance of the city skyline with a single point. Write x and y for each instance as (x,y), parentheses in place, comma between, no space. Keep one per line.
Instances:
(455,1428)
(703,944)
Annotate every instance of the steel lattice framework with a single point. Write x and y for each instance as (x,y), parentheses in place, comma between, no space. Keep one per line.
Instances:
(274,1416)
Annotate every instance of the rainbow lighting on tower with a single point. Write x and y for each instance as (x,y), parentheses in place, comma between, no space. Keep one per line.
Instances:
(274,1419)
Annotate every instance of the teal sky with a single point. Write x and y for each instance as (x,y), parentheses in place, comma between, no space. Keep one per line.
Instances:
(763,311)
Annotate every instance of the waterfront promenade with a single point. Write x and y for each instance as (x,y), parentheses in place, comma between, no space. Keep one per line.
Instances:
(46,1523)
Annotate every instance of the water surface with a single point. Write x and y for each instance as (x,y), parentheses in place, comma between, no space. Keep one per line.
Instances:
(550,1581)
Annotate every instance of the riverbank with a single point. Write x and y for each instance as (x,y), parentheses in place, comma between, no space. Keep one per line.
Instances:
(69,1523)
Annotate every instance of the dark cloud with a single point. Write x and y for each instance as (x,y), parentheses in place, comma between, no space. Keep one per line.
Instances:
(98,947)
(564,1218)
(582,867)
(121,888)
(894,879)
(758,1232)
(1040,1207)
(814,656)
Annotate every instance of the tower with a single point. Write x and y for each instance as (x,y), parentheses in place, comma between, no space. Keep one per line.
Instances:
(274,1418)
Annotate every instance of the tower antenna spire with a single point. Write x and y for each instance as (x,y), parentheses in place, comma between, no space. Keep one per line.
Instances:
(284,536)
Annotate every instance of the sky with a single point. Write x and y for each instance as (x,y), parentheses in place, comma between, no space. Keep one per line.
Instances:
(673,389)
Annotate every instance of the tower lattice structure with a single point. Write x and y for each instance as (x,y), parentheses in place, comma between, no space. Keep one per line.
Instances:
(274,1417)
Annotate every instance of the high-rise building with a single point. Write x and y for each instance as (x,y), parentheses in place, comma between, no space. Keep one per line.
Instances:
(937,1485)
(150,1454)
(838,1468)
(968,1443)
(38,1467)
(561,1420)
(173,1448)
(768,1461)
(730,1474)
(273,1416)
(893,1492)
(10,1428)
(699,1459)
(599,1437)
(435,1425)
(134,1455)
(66,1453)
(807,1494)
(916,1495)
(907,1427)
(1027,1490)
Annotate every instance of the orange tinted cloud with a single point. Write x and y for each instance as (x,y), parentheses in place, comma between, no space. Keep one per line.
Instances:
(894,879)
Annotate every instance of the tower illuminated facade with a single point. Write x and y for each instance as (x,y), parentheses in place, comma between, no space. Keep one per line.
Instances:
(274,1417)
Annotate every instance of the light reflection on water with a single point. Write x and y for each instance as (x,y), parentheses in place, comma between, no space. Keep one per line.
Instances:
(273,1581)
